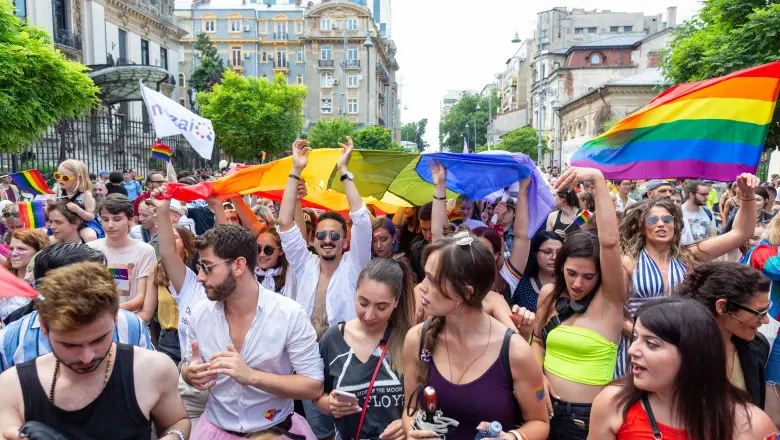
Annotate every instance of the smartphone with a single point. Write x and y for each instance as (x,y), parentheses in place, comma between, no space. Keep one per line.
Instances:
(344,396)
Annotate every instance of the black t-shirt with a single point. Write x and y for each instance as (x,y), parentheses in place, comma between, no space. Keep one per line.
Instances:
(406,240)
(344,371)
(416,260)
(202,217)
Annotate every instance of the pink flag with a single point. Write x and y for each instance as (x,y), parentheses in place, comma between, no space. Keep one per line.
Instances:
(13,286)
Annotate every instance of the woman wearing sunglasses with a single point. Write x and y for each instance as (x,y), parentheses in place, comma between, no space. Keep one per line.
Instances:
(73,184)
(738,297)
(654,260)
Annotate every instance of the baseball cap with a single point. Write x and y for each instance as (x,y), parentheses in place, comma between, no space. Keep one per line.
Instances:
(178,207)
(102,172)
(657,183)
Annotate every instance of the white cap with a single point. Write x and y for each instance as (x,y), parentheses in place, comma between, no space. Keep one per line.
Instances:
(223,164)
(178,207)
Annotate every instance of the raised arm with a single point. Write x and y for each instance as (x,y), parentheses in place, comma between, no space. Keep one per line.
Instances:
(174,266)
(300,154)
(300,219)
(350,189)
(522,245)
(215,204)
(744,224)
(439,208)
(248,218)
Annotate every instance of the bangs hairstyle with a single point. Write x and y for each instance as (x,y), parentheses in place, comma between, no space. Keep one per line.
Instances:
(703,397)
(116,204)
(75,295)
(80,170)
(540,238)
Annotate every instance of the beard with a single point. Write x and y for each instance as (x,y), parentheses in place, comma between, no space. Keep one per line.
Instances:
(328,257)
(221,291)
(75,365)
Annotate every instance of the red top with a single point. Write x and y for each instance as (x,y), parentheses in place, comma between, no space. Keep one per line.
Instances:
(637,427)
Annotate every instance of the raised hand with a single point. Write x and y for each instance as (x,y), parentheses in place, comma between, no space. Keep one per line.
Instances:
(300,153)
(524,184)
(523,319)
(159,198)
(438,172)
(232,364)
(575,175)
(346,155)
(198,371)
(747,184)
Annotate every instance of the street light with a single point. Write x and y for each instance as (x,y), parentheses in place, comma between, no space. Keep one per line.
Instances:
(516,39)
(475,127)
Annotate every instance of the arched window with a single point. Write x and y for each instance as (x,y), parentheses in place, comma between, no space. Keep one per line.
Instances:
(182,80)
(595,59)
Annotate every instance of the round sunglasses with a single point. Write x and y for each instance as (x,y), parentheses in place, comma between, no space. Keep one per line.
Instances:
(268,250)
(321,235)
(64,177)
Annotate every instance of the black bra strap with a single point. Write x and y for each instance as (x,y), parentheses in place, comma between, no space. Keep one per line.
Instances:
(649,410)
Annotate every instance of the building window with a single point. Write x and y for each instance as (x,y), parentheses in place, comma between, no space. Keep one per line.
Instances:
(326,80)
(592,30)
(299,27)
(265,76)
(164,58)
(352,79)
(556,65)
(281,58)
(595,59)
(352,24)
(122,43)
(144,52)
(579,31)
(182,80)
(325,24)
(181,103)
(352,53)
(299,79)
(210,25)
(628,28)
(614,28)
(281,31)
(300,55)
(352,106)
(264,55)
(20,9)
(326,52)
(235,56)
(327,105)
(544,34)
(263,28)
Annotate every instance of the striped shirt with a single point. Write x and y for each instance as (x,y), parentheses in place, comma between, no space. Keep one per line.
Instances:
(23,340)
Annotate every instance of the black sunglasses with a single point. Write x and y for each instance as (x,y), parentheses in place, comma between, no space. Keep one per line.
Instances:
(10,214)
(654,219)
(334,236)
(268,250)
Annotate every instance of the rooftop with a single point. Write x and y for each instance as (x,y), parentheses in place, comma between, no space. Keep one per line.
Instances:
(650,77)
(629,39)
(285,5)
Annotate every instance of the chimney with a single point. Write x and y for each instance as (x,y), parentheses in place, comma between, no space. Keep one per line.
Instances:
(671,16)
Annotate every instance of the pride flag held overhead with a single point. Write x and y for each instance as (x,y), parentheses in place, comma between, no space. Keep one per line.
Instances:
(32,214)
(713,129)
(161,151)
(31,181)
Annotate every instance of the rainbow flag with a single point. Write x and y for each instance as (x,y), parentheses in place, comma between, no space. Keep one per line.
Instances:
(713,129)
(582,218)
(31,181)
(163,152)
(140,179)
(32,214)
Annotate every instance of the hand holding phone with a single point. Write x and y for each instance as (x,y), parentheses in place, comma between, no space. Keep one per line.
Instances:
(342,403)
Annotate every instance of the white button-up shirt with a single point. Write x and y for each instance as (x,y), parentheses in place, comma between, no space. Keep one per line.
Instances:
(340,298)
(280,340)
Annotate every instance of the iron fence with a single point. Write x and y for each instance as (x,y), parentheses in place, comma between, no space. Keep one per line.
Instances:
(103,141)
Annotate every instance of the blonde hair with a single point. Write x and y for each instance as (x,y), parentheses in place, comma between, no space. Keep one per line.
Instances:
(75,295)
(772,233)
(81,171)
(263,212)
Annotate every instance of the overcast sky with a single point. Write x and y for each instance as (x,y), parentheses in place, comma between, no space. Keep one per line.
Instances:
(458,44)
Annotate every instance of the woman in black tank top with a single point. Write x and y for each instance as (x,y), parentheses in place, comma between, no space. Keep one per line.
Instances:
(562,221)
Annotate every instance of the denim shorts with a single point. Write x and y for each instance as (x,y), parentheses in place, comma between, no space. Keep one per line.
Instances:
(168,343)
(323,425)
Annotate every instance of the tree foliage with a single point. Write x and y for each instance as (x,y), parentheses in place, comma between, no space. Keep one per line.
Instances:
(251,115)
(38,85)
(415,132)
(211,68)
(453,127)
(373,138)
(522,140)
(726,36)
(328,133)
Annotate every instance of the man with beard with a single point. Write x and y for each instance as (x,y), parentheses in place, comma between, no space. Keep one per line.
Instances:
(245,344)
(146,229)
(89,386)
(698,220)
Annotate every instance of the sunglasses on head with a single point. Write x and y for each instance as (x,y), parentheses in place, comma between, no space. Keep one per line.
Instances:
(65,178)
(268,250)
(654,219)
(334,236)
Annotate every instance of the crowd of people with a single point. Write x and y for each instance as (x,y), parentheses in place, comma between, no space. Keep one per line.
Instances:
(634,310)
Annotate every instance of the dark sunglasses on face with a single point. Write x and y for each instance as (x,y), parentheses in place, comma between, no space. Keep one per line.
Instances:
(321,235)
(268,250)
(654,219)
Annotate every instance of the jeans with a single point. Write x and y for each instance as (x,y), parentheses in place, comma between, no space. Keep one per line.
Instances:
(570,421)
(322,425)
(168,343)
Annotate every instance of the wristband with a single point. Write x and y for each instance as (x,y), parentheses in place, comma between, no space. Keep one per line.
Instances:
(177,432)
(439,198)
(518,434)
(293,176)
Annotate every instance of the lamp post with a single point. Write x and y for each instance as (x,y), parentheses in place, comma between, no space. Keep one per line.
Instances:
(475,127)
(541,91)
(556,106)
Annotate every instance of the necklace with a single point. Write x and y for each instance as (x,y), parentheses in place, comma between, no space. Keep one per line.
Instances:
(57,371)
(449,362)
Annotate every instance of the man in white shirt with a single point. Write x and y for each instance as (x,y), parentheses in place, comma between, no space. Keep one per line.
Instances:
(698,220)
(129,261)
(623,200)
(245,344)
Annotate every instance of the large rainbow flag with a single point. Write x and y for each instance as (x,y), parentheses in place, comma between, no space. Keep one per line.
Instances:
(713,129)
(31,181)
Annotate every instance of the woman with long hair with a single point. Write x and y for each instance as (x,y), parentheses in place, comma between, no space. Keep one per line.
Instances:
(539,270)
(567,205)
(384,241)
(374,341)
(580,316)
(264,215)
(481,371)
(674,391)
(272,270)
(654,260)
(738,298)
(25,243)
(74,185)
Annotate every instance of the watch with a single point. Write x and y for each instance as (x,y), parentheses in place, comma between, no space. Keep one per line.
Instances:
(346,176)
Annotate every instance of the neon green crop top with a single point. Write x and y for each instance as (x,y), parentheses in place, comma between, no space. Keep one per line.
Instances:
(580,355)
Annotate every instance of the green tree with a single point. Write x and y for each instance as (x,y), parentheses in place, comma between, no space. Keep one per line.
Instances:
(38,85)
(251,115)
(522,140)
(373,138)
(415,132)
(724,37)
(210,70)
(328,133)
(459,122)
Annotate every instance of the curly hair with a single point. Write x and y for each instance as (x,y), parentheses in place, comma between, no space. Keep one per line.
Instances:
(632,231)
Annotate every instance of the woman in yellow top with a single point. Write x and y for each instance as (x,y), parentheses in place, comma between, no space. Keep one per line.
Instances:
(580,316)
(167,310)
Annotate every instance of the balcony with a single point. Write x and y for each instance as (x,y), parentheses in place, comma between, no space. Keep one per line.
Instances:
(281,65)
(383,71)
(326,64)
(281,36)
(65,38)
(353,64)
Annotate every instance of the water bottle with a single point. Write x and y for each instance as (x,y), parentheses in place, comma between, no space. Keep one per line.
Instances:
(492,431)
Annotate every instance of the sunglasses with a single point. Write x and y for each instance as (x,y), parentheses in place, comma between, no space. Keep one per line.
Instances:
(654,219)
(206,268)
(63,177)
(10,214)
(334,236)
(759,315)
(268,250)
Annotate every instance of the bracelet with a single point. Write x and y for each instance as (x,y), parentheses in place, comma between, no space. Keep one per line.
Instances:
(748,199)
(177,432)
(518,434)
(439,198)
(293,176)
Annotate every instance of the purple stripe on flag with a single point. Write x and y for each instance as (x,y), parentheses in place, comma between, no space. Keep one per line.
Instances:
(661,169)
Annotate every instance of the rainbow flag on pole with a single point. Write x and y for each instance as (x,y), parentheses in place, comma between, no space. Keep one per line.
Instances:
(31,181)
(582,218)
(161,151)
(713,129)
(32,214)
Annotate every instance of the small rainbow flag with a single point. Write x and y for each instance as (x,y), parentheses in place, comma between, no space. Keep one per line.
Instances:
(713,129)
(32,214)
(582,218)
(31,181)
(162,152)
(140,179)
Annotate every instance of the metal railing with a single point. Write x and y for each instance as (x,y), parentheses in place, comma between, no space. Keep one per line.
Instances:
(353,63)
(326,63)
(279,36)
(381,69)
(65,37)
(280,64)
